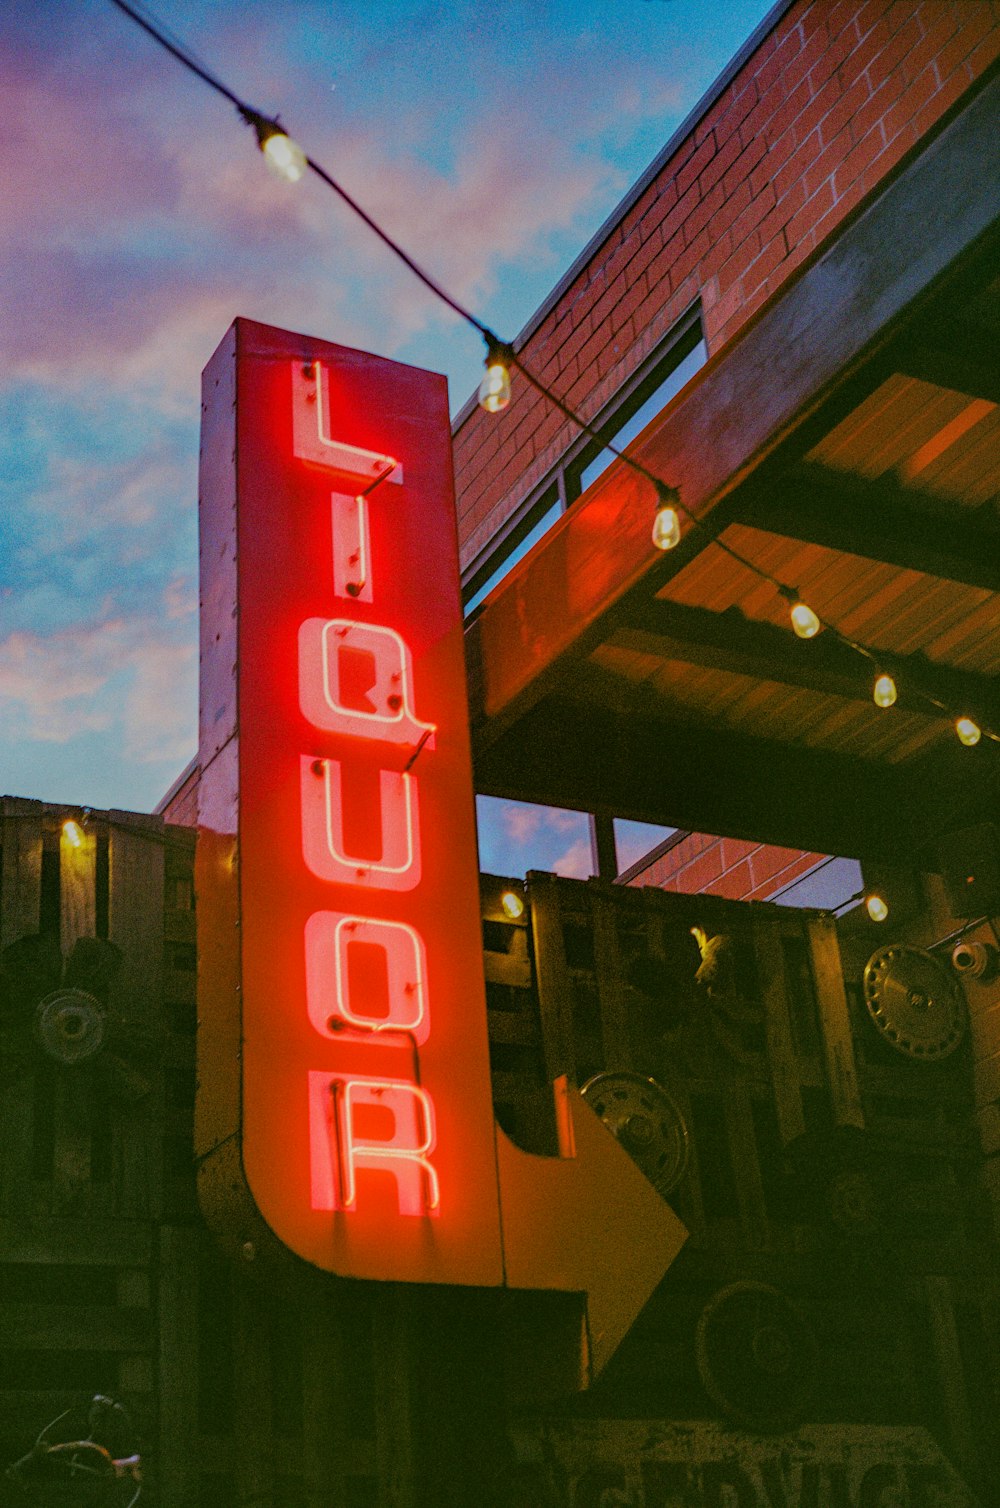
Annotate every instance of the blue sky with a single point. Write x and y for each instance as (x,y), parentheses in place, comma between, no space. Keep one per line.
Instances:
(139,220)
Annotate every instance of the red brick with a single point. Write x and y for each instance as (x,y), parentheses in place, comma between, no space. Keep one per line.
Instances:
(788,112)
(795,168)
(738,262)
(833,57)
(735,850)
(723,312)
(760,271)
(801,66)
(844,111)
(857,160)
(735,884)
(770,860)
(870,50)
(694,166)
(913,100)
(876,106)
(778,154)
(951,90)
(720,163)
(744,164)
(701,872)
(733,109)
(773,68)
(902,43)
(986,53)
(827,162)
(707,210)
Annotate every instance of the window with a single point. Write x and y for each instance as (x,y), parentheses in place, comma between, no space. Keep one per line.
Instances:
(636,405)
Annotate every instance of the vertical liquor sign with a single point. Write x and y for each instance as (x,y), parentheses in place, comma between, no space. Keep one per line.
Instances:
(344,1073)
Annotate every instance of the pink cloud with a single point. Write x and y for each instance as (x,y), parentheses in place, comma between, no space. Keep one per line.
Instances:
(577,862)
(521,822)
(98,675)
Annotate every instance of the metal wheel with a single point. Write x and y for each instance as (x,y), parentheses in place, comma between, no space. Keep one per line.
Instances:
(643,1117)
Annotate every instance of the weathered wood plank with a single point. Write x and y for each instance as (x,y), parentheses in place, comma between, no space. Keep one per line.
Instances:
(396,1386)
(615,1037)
(71,1327)
(252,1411)
(77,886)
(947,1352)
(177,1468)
(85,1242)
(778,1031)
(135,911)
(835,1023)
(22,868)
(22,898)
(552,978)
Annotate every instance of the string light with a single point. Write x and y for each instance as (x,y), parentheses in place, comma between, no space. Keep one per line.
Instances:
(667,524)
(804,620)
(494,390)
(284,156)
(884,693)
(876,907)
(512,904)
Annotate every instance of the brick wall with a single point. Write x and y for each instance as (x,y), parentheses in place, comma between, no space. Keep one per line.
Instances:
(732,867)
(827,104)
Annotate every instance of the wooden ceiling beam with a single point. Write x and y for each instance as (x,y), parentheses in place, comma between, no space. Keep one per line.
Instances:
(731,642)
(879,520)
(959,364)
(590,757)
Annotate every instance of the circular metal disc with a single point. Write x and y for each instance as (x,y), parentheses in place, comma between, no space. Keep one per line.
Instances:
(69,1025)
(914,1001)
(643,1117)
(756,1355)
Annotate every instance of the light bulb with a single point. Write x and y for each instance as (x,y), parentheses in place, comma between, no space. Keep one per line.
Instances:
(73,833)
(969,733)
(666,528)
(804,620)
(284,156)
(512,904)
(494,390)
(876,908)
(884,692)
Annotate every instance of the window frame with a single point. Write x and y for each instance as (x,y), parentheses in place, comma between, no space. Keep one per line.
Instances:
(561,484)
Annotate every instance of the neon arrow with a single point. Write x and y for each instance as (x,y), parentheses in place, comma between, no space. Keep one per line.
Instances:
(585,1222)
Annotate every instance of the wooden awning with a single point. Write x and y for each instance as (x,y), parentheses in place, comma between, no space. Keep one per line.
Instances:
(849,442)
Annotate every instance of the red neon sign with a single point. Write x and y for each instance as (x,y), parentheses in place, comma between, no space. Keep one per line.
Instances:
(344,1102)
(365,1113)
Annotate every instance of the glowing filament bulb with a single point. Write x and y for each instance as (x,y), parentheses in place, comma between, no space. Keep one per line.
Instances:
(666,528)
(494,390)
(804,620)
(884,692)
(969,733)
(73,833)
(876,908)
(284,156)
(512,904)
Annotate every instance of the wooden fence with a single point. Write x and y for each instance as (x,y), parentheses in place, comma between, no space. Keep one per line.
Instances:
(832,1185)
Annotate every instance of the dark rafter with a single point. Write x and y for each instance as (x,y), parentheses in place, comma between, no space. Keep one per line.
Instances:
(879,520)
(729,641)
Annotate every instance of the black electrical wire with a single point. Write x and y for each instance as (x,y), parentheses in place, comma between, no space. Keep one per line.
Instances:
(667,495)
